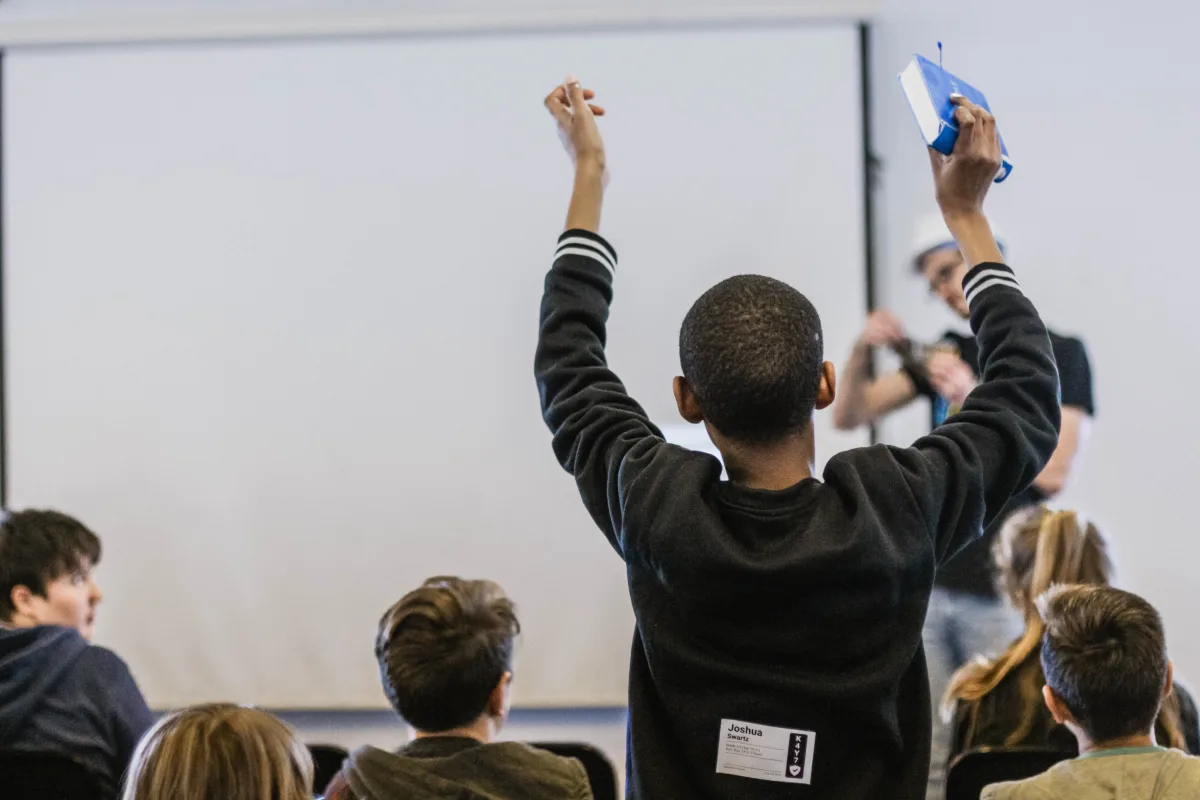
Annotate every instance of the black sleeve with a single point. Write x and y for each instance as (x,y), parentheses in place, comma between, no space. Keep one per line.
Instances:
(1075,374)
(601,436)
(128,715)
(964,472)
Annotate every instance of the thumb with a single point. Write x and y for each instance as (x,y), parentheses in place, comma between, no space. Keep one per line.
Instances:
(575,95)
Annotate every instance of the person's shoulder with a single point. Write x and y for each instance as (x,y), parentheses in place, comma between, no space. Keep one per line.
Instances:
(1062,343)
(102,662)
(1038,787)
(547,764)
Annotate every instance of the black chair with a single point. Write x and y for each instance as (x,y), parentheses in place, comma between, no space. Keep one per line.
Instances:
(45,776)
(971,771)
(327,762)
(601,774)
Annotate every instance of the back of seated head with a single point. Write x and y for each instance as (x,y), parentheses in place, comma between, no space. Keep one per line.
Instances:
(751,351)
(46,559)
(1105,659)
(220,750)
(445,654)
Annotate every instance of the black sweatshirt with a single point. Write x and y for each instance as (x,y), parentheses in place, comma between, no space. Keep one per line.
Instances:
(777,652)
(59,694)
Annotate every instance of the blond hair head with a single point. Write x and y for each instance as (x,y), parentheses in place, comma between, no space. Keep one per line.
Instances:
(220,751)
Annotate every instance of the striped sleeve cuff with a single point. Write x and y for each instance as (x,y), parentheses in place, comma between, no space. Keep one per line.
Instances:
(987,276)
(587,245)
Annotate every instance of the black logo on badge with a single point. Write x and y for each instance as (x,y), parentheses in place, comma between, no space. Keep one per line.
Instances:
(796,753)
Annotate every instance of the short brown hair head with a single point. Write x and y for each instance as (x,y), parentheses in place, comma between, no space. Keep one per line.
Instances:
(1105,656)
(39,547)
(220,750)
(444,648)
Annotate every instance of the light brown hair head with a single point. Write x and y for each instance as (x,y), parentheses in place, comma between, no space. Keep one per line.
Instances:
(220,751)
(444,648)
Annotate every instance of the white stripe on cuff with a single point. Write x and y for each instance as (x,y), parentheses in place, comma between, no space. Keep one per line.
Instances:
(580,251)
(601,246)
(978,290)
(987,273)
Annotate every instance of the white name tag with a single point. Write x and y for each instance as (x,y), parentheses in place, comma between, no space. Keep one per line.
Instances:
(765,753)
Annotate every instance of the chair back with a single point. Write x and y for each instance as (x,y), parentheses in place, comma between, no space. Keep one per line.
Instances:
(327,762)
(600,771)
(45,776)
(970,772)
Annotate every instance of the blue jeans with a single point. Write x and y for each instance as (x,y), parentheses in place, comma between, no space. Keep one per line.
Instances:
(958,627)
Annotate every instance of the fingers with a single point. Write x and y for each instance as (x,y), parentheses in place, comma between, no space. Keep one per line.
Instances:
(575,93)
(556,104)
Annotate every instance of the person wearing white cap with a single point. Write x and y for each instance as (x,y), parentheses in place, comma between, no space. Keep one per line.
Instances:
(966,617)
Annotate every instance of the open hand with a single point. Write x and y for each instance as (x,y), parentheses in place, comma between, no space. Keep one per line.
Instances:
(951,377)
(576,117)
(962,179)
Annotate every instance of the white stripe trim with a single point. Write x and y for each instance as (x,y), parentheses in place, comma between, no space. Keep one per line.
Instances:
(988,284)
(987,273)
(579,251)
(603,248)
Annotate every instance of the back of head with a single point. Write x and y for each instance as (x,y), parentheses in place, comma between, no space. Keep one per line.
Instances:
(36,548)
(220,750)
(751,349)
(1105,656)
(444,648)
(1038,548)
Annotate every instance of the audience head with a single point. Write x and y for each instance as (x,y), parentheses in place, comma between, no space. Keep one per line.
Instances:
(1038,548)
(1105,660)
(46,562)
(751,353)
(935,255)
(445,654)
(220,750)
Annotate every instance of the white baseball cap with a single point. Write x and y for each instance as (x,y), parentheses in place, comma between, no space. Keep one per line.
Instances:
(932,234)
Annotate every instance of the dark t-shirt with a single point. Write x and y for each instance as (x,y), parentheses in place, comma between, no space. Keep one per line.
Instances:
(971,570)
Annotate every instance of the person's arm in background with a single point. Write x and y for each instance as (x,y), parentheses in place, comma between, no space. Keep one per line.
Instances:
(601,435)
(861,399)
(1076,425)
(966,470)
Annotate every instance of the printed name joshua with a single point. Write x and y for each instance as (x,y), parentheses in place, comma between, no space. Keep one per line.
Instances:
(742,729)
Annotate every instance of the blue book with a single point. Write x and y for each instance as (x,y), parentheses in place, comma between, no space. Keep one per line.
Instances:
(928,88)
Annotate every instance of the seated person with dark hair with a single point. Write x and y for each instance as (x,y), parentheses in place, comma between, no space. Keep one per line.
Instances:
(1107,674)
(58,693)
(445,654)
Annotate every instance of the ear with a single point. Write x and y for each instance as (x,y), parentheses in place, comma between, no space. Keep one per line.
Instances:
(22,601)
(501,697)
(828,387)
(1058,709)
(1170,686)
(685,399)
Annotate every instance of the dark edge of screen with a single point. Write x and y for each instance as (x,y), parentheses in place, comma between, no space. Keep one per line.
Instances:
(870,173)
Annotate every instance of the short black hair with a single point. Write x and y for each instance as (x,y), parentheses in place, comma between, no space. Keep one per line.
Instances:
(1105,656)
(39,547)
(442,650)
(751,349)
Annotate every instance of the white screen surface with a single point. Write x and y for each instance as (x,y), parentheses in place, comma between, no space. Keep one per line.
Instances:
(271,312)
